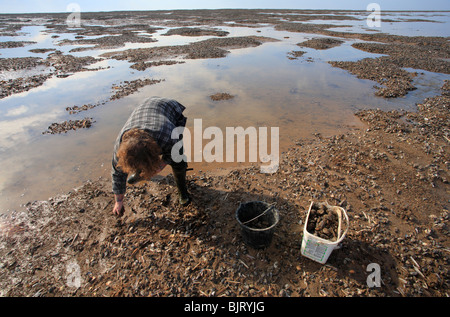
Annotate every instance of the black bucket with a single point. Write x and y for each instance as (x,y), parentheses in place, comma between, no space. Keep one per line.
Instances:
(257,220)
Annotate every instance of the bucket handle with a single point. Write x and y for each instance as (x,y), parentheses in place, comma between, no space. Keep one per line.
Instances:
(339,210)
(270,207)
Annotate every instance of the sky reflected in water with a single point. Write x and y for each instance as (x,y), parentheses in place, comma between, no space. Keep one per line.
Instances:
(301,97)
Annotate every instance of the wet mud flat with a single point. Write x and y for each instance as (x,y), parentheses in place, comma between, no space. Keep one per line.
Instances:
(112,36)
(419,52)
(321,43)
(210,48)
(118,91)
(391,177)
(58,65)
(389,70)
(114,30)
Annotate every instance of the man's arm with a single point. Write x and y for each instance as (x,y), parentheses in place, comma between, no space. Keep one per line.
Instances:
(119,186)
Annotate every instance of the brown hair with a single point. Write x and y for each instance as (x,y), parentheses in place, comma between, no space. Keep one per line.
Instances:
(138,151)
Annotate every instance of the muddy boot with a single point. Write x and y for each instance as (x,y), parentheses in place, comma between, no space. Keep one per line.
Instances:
(179,173)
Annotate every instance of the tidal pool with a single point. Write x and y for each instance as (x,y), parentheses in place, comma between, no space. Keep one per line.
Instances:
(302,96)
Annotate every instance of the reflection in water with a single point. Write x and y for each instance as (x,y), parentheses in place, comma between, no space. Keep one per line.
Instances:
(270,90)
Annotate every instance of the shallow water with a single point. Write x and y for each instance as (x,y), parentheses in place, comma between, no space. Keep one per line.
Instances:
(301,97)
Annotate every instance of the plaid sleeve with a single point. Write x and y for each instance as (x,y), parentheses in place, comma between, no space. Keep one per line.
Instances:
(119,179)
(166,142)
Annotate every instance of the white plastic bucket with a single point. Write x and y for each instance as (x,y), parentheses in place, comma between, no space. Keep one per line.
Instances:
(319,249)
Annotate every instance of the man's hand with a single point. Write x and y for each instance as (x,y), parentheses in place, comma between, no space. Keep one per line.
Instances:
(118,206)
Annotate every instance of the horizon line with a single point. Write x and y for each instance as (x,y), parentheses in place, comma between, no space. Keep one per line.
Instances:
(217,9)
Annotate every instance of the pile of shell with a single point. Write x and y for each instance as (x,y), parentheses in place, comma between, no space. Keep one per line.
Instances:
(221,96)
(130,87)
(56,128)
(76,109)
(395,80)
(323,222)
(321,43)
(185,31)
(16,85)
